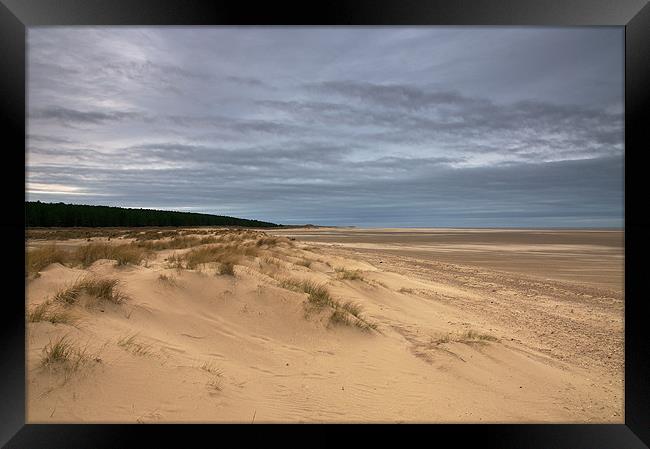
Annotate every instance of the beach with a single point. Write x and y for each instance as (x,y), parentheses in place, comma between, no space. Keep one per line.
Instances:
(333,325)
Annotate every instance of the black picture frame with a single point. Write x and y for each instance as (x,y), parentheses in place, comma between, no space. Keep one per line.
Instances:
(634,15)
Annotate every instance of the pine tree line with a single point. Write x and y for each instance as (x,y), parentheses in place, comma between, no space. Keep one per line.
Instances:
(39,214)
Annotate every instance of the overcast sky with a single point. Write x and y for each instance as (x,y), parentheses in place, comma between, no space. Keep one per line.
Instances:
(394,126)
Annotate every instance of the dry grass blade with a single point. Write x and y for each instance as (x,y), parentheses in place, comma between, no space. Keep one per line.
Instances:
(215,384)
(212,369)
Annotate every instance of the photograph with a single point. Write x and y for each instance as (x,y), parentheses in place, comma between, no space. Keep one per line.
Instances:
(325,224)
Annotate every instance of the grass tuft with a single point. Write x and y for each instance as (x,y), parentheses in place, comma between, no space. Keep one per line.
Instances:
(39,258)
(58,351)
(128,343)
(85,255)
(304,263)
(232,253)
(62,353)
(268,241)
(445,338)
(352,308)
(351,314)
(102,288)
(170,280)
(319,296)
(48,311)
(175,261)
(272,261)
(226,268)
(105,289)
(340,317)
(351,275)
(365,325)
(128,255)
(347,314)
(123,254)
(68,295)
(177,242)
(470,336)
(70,233)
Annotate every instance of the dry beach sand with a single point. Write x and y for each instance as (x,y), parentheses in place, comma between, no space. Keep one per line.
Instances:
(411,325)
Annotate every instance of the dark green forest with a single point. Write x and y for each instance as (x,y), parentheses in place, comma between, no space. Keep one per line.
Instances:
(39,214)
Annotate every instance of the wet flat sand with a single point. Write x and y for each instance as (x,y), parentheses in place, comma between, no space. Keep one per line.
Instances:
(587,256)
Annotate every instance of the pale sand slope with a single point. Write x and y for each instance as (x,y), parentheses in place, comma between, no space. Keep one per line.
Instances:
(558,358)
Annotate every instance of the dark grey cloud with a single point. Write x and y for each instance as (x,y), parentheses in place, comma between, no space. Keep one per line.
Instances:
(401,118)
(392,126)
(66,116)
(395,95)
(245,80)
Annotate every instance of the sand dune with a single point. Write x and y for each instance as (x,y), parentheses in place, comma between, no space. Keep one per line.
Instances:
(436,340)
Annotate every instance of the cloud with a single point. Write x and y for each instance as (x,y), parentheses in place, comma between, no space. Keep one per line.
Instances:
(532,130)
(245,80)
(395,95)
(509,196)
(390,126)
(66,116)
